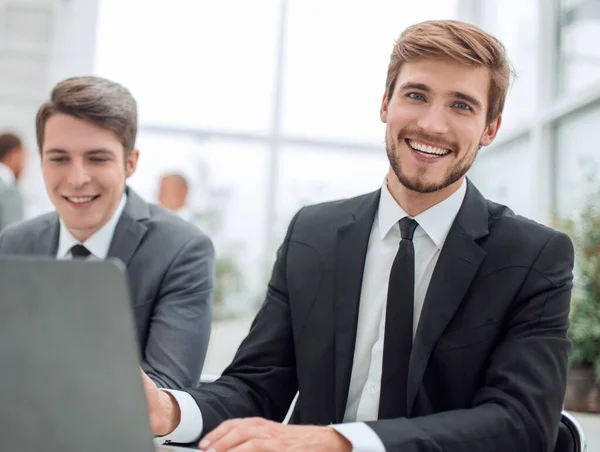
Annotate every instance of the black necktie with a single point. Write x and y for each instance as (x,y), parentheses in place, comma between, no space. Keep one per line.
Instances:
(397,341)
(79,252)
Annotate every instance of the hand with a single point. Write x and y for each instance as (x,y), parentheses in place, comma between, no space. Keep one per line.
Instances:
(163,409)
(260,435)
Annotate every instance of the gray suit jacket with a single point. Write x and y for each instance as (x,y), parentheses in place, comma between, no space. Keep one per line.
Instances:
(11,205)
(170,268)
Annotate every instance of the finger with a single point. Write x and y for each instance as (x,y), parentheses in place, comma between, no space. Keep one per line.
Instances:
(230,440)
(223,429)
(147,381)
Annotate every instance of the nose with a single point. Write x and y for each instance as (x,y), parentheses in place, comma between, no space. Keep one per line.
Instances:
(434,120)
(78,174)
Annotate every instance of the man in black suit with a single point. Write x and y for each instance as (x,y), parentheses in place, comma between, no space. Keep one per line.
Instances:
(86,135)
(420,317)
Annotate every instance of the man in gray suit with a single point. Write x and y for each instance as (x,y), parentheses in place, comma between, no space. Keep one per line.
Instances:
(12,162)
(86,137)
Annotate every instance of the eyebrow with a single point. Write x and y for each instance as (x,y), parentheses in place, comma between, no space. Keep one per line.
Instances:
(413,85)
(456,94)
(55,151)
(90,152)
(466,97)
(99,151)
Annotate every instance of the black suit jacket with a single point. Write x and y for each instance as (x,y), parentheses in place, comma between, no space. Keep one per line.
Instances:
(170,270)
(489,360)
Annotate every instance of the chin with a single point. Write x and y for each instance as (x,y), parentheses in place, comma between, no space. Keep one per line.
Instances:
(421,185)
(423,178)
(80,223)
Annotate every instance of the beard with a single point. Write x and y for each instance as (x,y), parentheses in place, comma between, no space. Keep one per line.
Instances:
(418,183)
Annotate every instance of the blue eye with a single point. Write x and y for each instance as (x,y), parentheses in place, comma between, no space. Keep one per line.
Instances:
(416,96)
(462,106)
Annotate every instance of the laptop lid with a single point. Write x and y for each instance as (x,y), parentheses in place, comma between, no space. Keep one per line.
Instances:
(69,361)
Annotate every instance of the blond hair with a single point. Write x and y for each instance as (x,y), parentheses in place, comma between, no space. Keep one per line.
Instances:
(461,42)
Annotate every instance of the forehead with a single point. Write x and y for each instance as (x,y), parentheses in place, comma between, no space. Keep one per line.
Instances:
(74,135)
(444,76)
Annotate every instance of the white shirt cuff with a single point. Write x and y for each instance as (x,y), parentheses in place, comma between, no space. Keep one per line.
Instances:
(361,436)
(191,424)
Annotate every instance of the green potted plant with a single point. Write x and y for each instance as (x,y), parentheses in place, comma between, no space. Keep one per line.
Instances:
(228,281)
(583,388)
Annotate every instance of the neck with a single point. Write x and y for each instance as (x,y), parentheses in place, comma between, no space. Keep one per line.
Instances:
(172,205)
(81,235)
(11,168)
(178,206)
(414,203)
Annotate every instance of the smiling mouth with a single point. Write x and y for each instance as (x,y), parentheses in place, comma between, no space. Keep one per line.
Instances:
(427,150)
(81,200)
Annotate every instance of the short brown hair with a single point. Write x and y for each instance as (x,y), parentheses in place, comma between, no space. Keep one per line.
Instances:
(8,143)
(459,41)
(97,100)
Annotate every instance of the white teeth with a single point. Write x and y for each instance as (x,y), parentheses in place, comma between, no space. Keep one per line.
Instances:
(427,149)
(81,200)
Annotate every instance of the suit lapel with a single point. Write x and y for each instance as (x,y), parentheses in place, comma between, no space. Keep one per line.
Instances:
(457,265)
(130,229)
(351,250)
(46,242)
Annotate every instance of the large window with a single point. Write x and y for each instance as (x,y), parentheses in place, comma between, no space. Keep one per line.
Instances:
(193,63)
(336,62)
(514,23)
(542,161)
(264,111)
(579,56)
(578,160)
(504,174)
(228,191)
(314,175)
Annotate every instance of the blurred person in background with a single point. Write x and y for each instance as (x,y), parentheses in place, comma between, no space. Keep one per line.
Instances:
(86,135)
(173,193)
(12,162)
(420,317)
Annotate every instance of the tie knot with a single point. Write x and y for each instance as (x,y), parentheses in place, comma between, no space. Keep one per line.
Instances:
(407,228)
(80,251)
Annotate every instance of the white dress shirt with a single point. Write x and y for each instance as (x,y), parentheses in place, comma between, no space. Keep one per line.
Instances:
(365,381)
(97,244)
(186,214)
(7,177)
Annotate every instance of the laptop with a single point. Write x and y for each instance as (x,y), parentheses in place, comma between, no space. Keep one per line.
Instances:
(69,361)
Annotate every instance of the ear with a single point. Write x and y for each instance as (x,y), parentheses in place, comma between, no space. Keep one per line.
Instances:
(131,162)
(384,108)
(490,132)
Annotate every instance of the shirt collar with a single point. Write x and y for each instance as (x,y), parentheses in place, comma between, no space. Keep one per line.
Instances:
(435,221)
(6,175)
(185,213)
(99,243)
